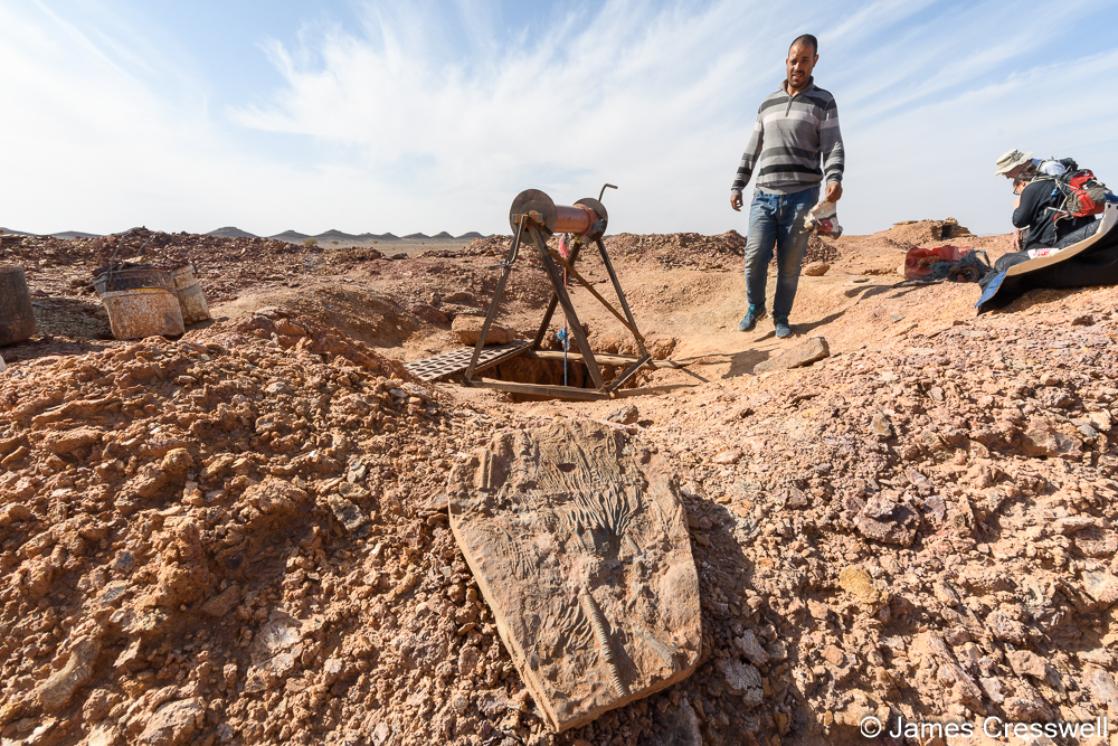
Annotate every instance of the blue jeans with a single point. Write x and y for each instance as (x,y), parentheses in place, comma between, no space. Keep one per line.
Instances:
(776,220)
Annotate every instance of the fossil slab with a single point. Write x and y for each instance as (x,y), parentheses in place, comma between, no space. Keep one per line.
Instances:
(579,543)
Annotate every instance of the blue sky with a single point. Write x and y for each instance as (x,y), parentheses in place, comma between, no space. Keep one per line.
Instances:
(428,116)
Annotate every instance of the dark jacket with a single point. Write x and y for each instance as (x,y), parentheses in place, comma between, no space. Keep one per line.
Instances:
(1035,214)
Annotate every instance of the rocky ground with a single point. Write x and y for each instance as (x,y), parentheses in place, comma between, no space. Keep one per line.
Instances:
(240,536)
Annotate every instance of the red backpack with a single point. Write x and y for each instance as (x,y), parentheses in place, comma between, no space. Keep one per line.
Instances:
(1081,194)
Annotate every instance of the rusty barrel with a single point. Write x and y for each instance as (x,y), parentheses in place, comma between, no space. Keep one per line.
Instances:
(191,298)
(140,301)
(17,319)
(143,312)
(116,277)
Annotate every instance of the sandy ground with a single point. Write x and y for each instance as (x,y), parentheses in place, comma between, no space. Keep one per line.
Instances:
(236,537)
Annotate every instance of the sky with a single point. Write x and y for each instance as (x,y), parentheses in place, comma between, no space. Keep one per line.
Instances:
(430,116)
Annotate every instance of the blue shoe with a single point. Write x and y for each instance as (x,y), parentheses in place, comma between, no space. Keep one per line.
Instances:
(749,320)
(782,329)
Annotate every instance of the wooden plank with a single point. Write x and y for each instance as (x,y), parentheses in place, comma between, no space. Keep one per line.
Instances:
(583,554)
(540,389)
(602,358)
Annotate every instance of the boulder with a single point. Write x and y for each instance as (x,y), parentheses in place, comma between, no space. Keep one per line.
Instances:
(805,353)
(468,330)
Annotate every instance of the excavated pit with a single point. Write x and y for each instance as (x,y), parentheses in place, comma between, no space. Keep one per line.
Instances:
(551,372)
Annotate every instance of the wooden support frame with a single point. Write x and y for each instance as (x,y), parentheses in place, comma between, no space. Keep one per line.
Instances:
(534,233)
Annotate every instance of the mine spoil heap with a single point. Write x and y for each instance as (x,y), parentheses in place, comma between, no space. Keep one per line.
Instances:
(241,536)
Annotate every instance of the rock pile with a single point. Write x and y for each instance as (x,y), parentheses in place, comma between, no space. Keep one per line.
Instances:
(225,265)
(227,537)
(691,250)
(926,532)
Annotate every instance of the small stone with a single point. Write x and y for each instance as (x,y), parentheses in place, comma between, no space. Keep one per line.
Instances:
(1102,587)
(885,519)
(174,723)
(55,693)
(833,655)
(468,331)
(858,583)
(743,679)
(1004,627)
(881,426)
(627,415)
(1101,420)
(220,605)
(1041,439)
(729,456)
(1102,687)
(805,353)
(1027,663)
(816,269)
(348,514)
(69,441)
(751,648)
(13,512)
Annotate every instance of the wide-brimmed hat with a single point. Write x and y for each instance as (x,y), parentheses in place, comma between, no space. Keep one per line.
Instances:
(1010,161)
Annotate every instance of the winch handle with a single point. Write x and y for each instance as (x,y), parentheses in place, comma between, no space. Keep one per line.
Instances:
(604,188)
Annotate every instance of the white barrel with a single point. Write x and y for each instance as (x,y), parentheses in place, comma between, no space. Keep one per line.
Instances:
(193,302)
(143,312)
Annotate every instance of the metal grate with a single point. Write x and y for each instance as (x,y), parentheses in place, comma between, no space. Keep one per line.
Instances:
(454,362)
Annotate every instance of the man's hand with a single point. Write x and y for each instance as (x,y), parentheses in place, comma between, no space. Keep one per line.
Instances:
(834,191)
(735,200)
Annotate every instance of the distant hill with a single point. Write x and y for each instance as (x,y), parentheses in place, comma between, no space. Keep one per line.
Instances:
(74,234)
(336,235)
(471,235)
(417,236)
(442,235)
(11,232)
(231,231)
(291,236)
(386,237)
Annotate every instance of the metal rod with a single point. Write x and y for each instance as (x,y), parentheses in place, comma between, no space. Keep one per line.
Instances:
(491,314)
(628,373)
(551,304)
(601,299)
(573,323)
(621,295)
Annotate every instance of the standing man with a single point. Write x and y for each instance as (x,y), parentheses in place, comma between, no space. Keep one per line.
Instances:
(795,145)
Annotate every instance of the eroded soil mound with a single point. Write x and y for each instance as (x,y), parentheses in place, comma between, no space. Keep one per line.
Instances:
(220,537)
(921,232)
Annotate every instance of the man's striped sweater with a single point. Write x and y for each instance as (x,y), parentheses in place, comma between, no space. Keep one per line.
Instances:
(792,136)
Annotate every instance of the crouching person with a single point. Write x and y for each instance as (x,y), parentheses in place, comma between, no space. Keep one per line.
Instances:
(1057,205)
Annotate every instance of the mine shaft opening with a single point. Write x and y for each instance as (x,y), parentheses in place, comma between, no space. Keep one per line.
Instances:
(548,369)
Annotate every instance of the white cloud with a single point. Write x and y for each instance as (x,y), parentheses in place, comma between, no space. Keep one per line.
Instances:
(432,117)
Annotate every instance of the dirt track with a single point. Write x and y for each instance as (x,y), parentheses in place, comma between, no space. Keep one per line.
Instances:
(237,536)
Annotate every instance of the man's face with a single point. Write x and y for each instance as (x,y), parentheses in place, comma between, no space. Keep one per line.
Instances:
(801,61)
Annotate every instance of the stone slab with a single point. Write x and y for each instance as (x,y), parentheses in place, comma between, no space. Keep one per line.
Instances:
(579,543)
